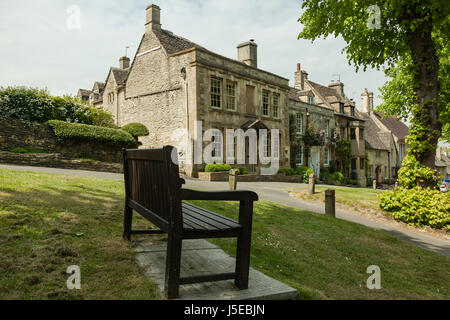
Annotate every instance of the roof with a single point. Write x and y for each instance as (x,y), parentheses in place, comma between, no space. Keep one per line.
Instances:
(173,43)
(120,75)
(398,128)
(374,138)
(84,92)
(100,85)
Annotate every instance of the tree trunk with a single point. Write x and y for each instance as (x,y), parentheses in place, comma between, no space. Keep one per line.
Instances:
(426,127)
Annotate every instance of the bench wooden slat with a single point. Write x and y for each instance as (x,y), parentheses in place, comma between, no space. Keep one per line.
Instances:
(209,215)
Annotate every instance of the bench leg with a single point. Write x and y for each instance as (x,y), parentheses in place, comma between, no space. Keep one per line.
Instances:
(243,246)
(173,262)
(127,219)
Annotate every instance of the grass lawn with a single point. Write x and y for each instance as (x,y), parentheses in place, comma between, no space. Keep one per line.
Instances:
(353,197)
(49,222)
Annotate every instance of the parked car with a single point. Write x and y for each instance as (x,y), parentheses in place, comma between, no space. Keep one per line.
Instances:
(444,187)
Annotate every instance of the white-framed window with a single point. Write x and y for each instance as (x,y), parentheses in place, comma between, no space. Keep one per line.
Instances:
(326,157)
(310,100)
(299,117)
(299,157)
(265,103)
(231,95)
(276,147)
(266,144)
(276,104)
(230,146)
(216,93)
(217,145)
(327,128)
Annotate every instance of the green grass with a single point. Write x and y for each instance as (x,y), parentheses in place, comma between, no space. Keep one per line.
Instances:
(49,222)
(354,197)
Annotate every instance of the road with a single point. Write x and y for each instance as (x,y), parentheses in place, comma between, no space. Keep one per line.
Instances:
(273,191)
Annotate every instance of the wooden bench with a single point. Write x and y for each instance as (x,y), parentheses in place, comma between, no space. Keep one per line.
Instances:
(153,189)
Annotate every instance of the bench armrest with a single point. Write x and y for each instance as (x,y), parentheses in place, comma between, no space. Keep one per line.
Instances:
(182,181)
(231,195)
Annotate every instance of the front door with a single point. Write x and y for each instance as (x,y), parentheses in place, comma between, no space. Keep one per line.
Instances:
(314,160)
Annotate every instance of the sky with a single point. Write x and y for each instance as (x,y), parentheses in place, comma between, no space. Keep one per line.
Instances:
(41,48)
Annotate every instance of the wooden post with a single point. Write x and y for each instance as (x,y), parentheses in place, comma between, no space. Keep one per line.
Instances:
(374,184)
(232,179)
(330,203)
(312,183)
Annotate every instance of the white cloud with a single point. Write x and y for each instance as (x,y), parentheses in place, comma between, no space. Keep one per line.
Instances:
(39,50)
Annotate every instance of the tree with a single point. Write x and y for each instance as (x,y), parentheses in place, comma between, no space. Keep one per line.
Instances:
(406,38)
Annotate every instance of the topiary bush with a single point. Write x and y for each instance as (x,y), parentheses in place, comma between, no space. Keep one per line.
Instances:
(418,207)
(217,167)
(413,173)
(136,129)
(76,132)
(337,177)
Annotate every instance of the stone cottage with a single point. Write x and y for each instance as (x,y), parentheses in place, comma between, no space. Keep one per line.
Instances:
(173,83)
(305,113)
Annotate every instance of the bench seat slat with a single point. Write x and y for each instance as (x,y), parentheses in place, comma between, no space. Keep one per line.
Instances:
(212,215)
(206,221)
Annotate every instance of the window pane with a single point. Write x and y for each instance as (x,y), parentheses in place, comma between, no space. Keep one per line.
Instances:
(299,123)
(231,95)
(265,100)
(216,92)
(276,101)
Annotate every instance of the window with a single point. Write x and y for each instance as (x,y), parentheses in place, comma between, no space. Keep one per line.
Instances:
(341,107)
(352,111)
(276,103)
(231,95)
(326,156)
(361,163)
(352,133)
(299,123)
(265,102)
(299,158)
(276,148)
(327,128)
(111,97)
(310,100)
(216,93)
(266,146)
(217,145)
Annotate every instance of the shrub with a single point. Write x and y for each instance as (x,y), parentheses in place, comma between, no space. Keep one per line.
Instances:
(337,177)
(27,149)
(413,173)
(77,132)
(37,105)
(287,172)
(324,173)
(417,206)
(353,182)
(217,167)
(136,129)
(300,170)
(242,170)
(307,174)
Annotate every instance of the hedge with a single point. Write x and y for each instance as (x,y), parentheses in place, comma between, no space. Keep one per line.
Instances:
(418,207)
(76,132)
(217,167)
(136,129)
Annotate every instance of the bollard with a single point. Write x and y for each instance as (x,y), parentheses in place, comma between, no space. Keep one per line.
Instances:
(396,184)
(312,183)
(330,203)
(374,184)
(232,179)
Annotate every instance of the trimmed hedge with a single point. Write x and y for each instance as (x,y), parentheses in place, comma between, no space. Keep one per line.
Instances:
(76,132)
(418,207)
(136,129)
(217,167)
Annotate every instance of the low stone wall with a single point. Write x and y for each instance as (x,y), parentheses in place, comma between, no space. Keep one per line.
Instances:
(55,160)
(16,133)
(223,176)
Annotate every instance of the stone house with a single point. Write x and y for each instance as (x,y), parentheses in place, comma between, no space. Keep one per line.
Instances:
(174,83)
(94,96)
(307,114)
(347,122)
(443,162)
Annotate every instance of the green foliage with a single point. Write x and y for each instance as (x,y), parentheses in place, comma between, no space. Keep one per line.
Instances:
(413,174)
(337,177)
(37,105)
(242,170)
(300,170)
(418,207)
(287,172)
(307,173)
(344,153)
(324,173)
(217,167)
(26,149)
(78,132)
(353,182)
(366,165)
(136,129)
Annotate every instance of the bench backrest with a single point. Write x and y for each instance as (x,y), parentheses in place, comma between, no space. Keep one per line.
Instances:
(152,185)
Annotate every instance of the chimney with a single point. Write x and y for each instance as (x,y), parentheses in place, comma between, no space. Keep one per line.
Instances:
(248,53)
(338,86)
(153,18)
(366,101)
(299,78)
(124,62)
